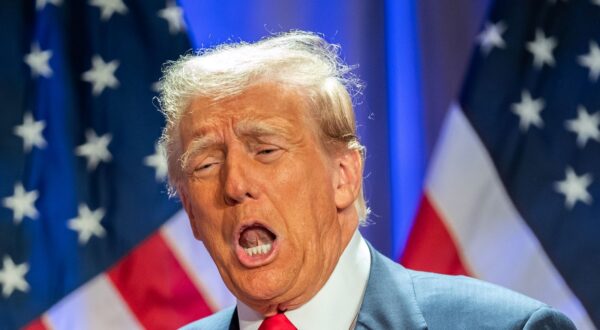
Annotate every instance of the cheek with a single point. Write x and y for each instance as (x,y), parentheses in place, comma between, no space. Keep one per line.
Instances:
(306,172)
(207,217)
(210,228)
(216,245)
(304,194)
(287,185)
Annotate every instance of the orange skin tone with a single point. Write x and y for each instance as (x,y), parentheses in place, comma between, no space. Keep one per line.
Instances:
(279,174)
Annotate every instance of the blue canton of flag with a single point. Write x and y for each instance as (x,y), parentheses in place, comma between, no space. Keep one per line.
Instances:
(533,97)
(81,182)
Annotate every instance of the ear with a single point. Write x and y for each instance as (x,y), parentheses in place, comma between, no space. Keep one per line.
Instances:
(348,179)
(190,211)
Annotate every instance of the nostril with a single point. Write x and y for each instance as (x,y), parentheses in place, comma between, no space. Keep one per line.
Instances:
(230,201)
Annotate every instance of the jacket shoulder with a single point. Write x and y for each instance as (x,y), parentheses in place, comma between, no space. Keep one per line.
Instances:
(464,302)
(220,320)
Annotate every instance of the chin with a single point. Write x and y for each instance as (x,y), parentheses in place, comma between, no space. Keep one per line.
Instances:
(264,287)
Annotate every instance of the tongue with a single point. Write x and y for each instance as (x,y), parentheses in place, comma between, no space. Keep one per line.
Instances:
(255,236)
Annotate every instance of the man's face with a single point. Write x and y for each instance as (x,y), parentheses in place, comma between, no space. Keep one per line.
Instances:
(264,196)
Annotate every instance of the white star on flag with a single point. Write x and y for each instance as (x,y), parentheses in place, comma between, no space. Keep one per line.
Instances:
(101,75)
(95,149)
(109,7)
(158,160)
(585,126)
(13,276)
(87,223)
(491,37)
(541,48)
(174,16)
(38,60)
(22,203)
(31,132)
(528,111)
(574,188)
(40,4)
(591,61)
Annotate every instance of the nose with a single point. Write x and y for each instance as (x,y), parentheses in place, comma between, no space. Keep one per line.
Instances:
(237,180)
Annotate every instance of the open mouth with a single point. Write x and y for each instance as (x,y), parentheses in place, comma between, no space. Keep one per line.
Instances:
(256,240)
(256,244)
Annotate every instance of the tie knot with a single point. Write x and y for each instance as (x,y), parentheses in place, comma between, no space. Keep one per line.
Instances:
(277,322)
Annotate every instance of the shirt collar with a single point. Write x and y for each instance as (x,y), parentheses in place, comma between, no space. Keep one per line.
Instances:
(336,305)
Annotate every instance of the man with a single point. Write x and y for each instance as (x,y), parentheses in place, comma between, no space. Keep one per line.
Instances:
(262,150)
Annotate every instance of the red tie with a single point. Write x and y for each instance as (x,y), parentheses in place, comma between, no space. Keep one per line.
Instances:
(277,322)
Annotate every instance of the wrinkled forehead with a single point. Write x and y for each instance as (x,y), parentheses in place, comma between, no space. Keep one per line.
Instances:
(262,107)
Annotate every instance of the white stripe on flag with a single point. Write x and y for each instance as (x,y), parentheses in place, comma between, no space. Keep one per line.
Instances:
(196,261)
(497,243)
(95,305)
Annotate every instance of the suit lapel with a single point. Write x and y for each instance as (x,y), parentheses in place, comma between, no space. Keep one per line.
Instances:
(389,301)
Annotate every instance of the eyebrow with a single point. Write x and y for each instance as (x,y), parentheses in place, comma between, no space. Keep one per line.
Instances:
(197,145)
(270,127)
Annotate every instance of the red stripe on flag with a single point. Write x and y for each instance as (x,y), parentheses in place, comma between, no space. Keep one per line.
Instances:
(430,246)
(156,287)
(37,324)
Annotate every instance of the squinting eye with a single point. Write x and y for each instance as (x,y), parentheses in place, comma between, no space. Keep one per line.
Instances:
(266,151)
(205,167)
(268,155)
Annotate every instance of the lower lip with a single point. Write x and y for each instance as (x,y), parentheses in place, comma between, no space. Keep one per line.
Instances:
(256,260)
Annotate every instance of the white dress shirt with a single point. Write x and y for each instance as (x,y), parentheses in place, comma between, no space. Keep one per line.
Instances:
(337,304)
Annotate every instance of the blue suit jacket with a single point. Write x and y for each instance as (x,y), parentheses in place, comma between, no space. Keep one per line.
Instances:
(398,298)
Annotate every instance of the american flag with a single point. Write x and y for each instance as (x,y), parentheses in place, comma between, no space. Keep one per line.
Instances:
(88,236)
(512,194)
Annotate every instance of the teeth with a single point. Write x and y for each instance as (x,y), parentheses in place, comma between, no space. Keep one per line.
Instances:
(261,249)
